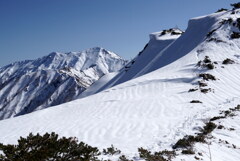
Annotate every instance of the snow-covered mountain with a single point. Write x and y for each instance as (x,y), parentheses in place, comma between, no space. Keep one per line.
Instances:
(57,78)
(194,78)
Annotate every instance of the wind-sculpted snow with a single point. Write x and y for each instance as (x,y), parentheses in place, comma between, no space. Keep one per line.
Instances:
(154,110)
(158,42)
(31,85)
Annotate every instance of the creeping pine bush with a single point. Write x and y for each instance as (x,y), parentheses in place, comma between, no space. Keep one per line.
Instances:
(164,155)
(123,158)
(148,156)
(228,61)
(48,147)
(207,76)
(236,5)
(202,84)
(188,141)
(206,63)
(195,101)
(188,151)
(235,35)
(192,90)
(221,10)
(111,151)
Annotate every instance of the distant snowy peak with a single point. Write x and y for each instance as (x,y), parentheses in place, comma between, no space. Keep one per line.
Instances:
(102,52)
(78,60)
(105,60)
(30,85)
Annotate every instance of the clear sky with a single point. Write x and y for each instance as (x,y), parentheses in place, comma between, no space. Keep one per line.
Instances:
(33,28)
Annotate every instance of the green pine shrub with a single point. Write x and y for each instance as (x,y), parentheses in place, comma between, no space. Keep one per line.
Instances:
(48,147)
(111,151)
(236,5)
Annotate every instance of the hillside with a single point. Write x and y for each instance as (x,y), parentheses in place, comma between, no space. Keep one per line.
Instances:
(57,78)
(135,68)
(190,81)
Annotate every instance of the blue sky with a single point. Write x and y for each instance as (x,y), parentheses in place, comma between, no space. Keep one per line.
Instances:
(33,28)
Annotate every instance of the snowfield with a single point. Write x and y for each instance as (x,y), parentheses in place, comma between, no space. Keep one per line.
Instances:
(153,110)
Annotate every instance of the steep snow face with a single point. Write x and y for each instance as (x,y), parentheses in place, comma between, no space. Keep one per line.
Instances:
(154,110)
(31,85)
(158,42)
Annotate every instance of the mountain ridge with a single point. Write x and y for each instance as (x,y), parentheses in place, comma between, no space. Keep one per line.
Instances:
(53,79)
(158,42)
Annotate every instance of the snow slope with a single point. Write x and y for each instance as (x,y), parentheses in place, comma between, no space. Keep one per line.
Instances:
(158,42)
(154,110)
(31,85)
(98,85)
